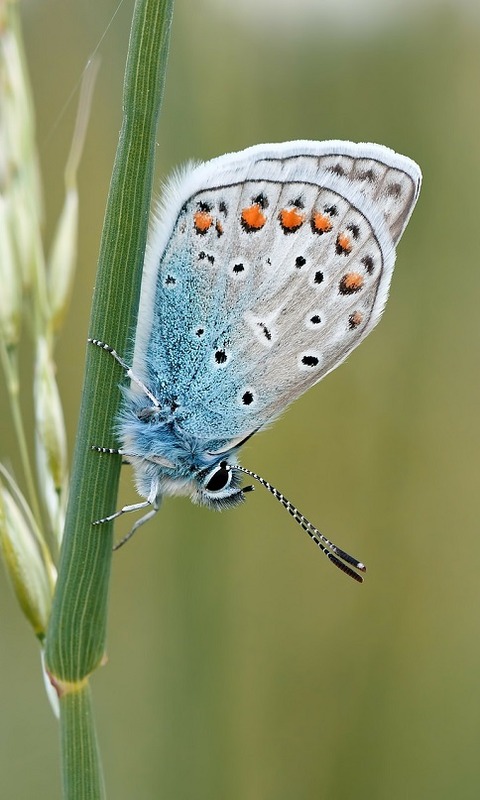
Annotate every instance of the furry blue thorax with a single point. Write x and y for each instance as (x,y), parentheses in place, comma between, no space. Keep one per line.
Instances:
(168,459)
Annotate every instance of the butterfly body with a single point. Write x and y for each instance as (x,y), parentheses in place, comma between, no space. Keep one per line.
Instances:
(264,270)
(167,458)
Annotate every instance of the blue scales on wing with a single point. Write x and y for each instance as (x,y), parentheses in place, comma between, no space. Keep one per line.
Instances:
(270,270)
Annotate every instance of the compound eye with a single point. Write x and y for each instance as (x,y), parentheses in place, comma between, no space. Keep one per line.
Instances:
(219,478)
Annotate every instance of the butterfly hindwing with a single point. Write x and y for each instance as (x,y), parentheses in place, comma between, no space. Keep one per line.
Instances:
(271,267)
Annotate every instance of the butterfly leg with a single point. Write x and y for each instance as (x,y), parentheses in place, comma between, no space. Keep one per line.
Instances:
(125,510)
(153,501)
(128,370)
(115,451)
(146,517)
(154,506)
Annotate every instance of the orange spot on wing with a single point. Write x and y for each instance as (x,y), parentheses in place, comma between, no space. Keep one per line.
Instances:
(321,223)
(202,221)
(253,218)
(344,243)
(290,219)
(351,282)
(355,319)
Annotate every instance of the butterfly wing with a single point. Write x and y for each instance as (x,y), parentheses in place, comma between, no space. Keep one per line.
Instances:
(269,267)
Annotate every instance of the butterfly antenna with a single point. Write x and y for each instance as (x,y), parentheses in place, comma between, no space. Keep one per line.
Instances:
(339,557)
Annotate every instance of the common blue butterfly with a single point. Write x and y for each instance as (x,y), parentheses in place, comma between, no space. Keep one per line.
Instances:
(264,270)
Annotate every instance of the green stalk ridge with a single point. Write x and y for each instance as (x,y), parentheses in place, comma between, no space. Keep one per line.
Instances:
(82,775)
(76,635)
(75,643)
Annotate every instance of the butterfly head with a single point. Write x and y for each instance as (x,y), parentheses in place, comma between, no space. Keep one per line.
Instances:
(219,487)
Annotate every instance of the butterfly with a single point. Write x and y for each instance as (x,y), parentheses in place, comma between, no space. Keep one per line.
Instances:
(264,269)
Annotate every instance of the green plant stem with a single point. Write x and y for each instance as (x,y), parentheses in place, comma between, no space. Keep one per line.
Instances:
(82,774)
(10,369)
(76,635)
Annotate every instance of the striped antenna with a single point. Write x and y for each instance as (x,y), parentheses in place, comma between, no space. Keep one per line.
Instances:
(339,557)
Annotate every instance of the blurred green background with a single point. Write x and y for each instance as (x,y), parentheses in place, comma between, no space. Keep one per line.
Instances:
(241,664)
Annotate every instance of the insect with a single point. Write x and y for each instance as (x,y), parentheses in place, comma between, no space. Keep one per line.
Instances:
(265,268)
